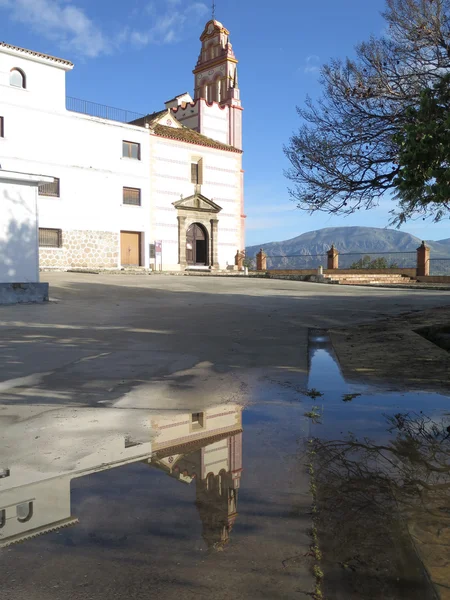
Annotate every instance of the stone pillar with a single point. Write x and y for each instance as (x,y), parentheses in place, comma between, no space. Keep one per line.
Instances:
(214,249)
(261,261)
(423,261)
(239,260)
(182,242)
(333,258)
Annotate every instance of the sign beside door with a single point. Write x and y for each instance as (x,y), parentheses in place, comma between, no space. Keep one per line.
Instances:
(158,255)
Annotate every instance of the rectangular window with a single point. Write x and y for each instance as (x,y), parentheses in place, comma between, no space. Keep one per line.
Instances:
(131,150)
(50,238)
(2,126)
(198,420)
(50,189)
(197,172)
(132,196)
(194,172)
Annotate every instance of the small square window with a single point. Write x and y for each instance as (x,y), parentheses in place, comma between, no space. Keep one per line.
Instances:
(198,420)
(4,473)
(132,196)
(2,126)
(50,238)
(131,150)
(50,189)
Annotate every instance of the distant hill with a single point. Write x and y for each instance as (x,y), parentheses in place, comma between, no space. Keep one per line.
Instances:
(348,240)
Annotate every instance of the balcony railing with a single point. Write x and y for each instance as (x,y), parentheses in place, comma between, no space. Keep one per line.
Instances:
(86,107)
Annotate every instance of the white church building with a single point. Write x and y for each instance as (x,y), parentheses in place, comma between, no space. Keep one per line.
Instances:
(163,190)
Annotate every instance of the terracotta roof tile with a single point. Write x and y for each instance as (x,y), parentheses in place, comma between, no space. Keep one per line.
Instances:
(176,97)
(150,119)
(184,134)
(61,61)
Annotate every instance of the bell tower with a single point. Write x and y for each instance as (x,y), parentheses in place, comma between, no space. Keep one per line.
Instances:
(216,82)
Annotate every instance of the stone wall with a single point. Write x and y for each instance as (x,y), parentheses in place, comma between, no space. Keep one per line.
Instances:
(85,249)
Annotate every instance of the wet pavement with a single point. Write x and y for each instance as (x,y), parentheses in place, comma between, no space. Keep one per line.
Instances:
(382,470)
(216,507)
(214,503)
(155,438)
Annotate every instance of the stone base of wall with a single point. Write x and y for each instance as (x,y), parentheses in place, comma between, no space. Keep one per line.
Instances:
(82,249)
(17,293)
(434,279)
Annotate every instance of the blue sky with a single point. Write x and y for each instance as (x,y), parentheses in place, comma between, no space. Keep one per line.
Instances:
(139,53)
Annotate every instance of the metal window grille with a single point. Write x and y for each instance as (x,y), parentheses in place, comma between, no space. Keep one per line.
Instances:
(50,189)
(131,150)
(50,238)
(2,126)
(132,196)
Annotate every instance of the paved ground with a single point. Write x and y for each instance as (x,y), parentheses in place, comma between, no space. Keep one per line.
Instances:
(177,343)
(195,340)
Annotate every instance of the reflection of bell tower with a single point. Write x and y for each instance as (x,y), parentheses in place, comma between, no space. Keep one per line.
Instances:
(217,497)
(216,81)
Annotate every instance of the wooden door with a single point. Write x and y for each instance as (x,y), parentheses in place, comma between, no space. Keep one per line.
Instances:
(196,245)
(130,245)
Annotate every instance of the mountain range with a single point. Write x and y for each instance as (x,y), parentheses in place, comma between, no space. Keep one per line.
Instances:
(348,240)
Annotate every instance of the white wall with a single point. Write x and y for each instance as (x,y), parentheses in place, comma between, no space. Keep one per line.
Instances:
(171,178)
(173,430)
(18,231)
(85,153)
(51,503)
(214,121)
(45,81)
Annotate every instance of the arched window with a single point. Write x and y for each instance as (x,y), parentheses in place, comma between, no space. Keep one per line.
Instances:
(210,482)
(24,511)
(221,90)
(210,92)
(17,78)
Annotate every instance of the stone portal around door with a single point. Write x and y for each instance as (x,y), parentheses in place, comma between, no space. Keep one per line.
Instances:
(198,226)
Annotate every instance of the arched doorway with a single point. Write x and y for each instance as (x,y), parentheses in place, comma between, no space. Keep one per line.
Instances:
(197,245)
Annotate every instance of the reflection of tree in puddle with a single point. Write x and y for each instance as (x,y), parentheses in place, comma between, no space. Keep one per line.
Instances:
(375,498)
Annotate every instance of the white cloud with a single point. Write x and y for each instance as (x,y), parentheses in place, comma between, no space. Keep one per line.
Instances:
(312,64)
(64,23)
(70,27)
(169,21)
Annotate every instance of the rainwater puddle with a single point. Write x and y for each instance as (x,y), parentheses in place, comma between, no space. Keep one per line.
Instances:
(382,466)
(217,507)
(131,503)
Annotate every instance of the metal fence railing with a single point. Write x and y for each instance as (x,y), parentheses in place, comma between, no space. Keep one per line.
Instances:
(439,266)
(352,260)
(93,109)
(297,261)
(378,260)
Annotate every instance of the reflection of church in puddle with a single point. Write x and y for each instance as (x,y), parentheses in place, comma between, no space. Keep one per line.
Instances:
(200,448)
(205,448)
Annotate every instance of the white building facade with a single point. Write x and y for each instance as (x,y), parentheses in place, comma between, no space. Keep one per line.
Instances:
(120,185)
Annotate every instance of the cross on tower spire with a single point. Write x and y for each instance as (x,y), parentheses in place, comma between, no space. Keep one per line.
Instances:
(214,10)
